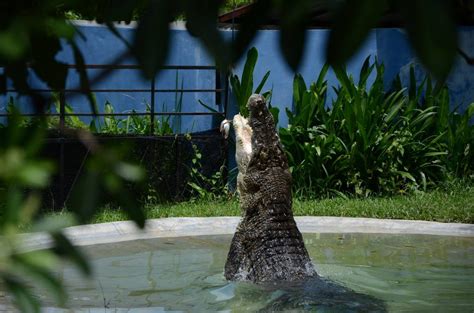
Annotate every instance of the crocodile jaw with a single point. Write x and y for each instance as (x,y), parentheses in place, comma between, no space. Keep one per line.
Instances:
(243,142)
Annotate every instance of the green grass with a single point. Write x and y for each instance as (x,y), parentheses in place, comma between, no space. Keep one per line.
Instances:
(454,204)
(441,206)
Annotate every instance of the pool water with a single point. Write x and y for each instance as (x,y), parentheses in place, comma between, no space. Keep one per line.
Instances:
(407,272)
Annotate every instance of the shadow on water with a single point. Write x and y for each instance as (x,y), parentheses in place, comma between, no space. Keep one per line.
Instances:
(312,295)
(321,295)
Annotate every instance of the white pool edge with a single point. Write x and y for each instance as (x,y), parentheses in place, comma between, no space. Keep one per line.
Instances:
(199,226)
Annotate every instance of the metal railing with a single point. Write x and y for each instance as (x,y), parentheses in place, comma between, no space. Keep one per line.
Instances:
(220,90)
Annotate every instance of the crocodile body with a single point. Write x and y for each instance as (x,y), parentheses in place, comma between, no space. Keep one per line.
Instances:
(267,245)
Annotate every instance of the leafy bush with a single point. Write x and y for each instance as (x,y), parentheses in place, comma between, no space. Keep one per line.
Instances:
(204,187)
(133,124)
(373,142)
(110,124)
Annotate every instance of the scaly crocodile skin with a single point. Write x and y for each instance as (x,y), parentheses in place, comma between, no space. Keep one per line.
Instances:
(267,245)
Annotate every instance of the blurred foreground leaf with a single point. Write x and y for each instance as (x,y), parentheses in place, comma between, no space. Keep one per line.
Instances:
(353,21)
(432,32)
(64,248)
(152,36)
(24,299)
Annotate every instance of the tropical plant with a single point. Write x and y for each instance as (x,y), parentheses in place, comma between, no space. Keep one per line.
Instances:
(459,139)
(31,34)
(243,87)
(371,141)
(206,187)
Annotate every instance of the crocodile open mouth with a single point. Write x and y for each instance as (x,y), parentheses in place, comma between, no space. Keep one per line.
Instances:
(243,142)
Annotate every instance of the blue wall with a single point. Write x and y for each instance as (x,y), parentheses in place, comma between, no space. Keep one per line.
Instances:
(389,46)
(281,76)
(101,47)
(393,49)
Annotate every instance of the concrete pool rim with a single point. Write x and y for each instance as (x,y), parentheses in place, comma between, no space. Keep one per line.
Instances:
(200,226)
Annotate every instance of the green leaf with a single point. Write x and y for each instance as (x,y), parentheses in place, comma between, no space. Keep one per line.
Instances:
(299,88)
(344,80)
(251,21)
(152,37)
(430,154)
(294,19)
(24,299)
(83,77)
(60,27)
(37,267)
(45,65)
(201,22)
(207,106)
(247,76)
(275,112)
(432,32)
(352,24)
(322,75)
(406,175)
(85,197)
(130,172)
(131,206)
(262,82)
(64,248)
(365,72)
(14,42)
(54,223)
(394,109)
(318,150)
(35,174)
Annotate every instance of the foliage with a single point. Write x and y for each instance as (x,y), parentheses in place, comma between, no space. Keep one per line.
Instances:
(230,5)
(23,176)
(110,124)
(242,88)
(133,124)
(204,187)
(32,33)
(371,142)
(227,6)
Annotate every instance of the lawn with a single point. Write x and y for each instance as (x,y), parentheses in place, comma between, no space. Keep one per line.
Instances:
(453,204)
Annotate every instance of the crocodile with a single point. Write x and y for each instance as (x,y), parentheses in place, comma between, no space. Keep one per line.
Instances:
(267,245)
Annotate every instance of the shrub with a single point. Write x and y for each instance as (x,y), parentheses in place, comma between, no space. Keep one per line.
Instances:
(373,142)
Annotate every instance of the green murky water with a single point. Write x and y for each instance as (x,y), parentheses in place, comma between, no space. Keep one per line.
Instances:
(409,273)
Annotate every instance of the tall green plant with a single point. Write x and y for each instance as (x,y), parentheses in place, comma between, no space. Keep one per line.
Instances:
(369,141)
(178,104)
(243,87)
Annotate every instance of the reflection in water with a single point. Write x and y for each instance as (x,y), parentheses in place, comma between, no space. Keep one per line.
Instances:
(407,273)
